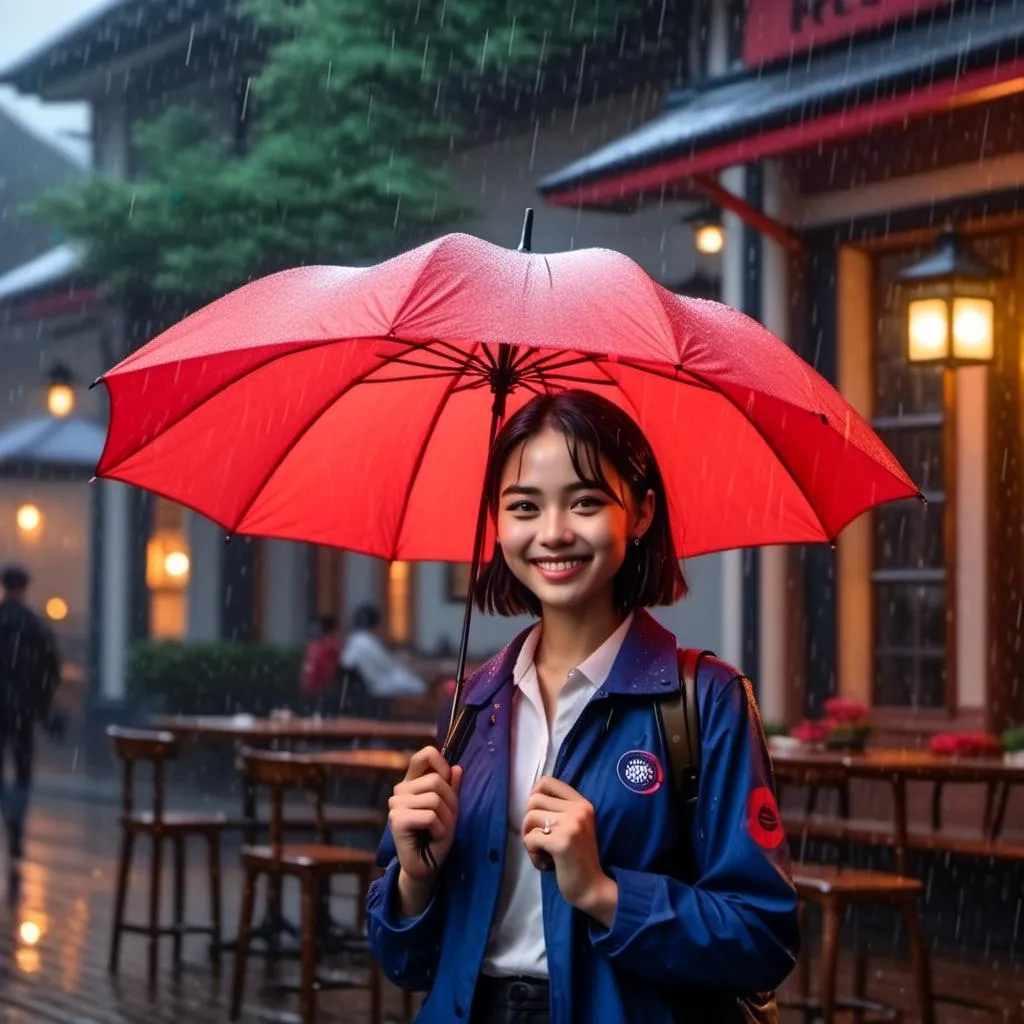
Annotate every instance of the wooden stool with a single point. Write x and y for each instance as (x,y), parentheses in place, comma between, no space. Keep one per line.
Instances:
(833,889)
(313,864)
(132,746)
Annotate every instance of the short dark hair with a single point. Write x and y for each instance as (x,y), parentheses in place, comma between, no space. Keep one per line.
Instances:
(14,578)
(595,429)
(328,624)
(366,617)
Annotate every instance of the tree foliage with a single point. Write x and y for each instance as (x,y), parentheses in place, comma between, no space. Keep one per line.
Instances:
(347,126)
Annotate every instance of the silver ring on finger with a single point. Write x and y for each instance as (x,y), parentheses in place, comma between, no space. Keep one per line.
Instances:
(546,830)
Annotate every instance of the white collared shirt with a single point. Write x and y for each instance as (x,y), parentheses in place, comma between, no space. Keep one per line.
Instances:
(516,944)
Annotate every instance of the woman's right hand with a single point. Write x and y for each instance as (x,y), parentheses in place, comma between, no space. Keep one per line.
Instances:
(426,800)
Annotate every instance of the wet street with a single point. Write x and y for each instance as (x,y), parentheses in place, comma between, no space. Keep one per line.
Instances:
(67,895)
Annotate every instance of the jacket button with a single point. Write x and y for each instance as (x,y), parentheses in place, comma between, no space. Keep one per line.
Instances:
(493,856)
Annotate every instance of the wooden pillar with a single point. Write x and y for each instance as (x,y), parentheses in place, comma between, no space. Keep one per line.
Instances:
(1005,669)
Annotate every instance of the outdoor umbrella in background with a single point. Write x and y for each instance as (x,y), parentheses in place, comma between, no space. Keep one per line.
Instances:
(355,407)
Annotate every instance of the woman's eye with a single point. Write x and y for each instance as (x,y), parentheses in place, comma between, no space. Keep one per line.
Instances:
(521,507)
(588,504)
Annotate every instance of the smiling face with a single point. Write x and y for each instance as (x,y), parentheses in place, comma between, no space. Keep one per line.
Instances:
(564,536)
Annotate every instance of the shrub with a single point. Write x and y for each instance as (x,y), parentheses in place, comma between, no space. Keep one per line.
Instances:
(213,678)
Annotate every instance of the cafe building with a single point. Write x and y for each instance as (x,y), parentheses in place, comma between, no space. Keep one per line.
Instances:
(862,166)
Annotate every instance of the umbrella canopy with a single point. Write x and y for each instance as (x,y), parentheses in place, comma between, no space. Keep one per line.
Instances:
(350,406)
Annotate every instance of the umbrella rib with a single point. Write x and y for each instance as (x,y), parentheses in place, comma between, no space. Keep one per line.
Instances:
(295,441)
(219,389)
(770,444)
(420,456)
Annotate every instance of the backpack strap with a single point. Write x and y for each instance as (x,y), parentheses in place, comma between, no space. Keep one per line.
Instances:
(681,721)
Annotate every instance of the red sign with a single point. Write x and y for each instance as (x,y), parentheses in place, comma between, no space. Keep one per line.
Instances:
(778,28)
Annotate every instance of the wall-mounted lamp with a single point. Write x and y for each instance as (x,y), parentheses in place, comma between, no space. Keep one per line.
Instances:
(709,237)
(950,306)
(60,396)
(29,519)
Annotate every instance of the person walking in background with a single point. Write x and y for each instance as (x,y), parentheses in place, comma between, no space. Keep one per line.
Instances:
(29,675)
(376,668)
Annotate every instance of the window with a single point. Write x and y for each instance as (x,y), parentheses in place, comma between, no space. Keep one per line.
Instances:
(399,602)
(912,608)
(457,576)
(168,567)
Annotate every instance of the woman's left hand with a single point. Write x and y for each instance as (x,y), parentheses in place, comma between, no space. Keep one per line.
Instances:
(571,843)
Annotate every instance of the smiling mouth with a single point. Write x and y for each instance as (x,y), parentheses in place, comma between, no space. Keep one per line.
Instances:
(556,568)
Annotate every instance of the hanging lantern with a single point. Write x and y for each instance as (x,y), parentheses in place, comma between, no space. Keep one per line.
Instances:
(60,397)
(950,306)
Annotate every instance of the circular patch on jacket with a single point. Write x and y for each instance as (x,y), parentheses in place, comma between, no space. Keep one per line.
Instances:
(640,772)
(763,821)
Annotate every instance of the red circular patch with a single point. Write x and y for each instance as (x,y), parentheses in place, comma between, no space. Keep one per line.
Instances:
(763,819)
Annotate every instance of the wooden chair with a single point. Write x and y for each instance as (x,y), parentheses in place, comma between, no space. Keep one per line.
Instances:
(157,748)
(303,819)
(833,890)
(313,864)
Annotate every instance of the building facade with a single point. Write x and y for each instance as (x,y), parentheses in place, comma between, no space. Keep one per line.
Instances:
(844,138)
(162,572)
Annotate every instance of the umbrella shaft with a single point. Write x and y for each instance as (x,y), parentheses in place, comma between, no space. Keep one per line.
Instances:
(451,748)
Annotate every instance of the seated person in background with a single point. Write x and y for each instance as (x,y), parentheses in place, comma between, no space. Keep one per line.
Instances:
(365,654)
(318,680)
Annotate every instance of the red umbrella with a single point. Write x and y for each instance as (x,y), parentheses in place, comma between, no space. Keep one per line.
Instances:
(353,407)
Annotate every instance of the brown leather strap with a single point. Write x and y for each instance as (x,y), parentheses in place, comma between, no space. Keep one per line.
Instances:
(681,719)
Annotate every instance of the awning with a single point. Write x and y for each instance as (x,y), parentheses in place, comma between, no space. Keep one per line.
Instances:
(51,446)
(950,62)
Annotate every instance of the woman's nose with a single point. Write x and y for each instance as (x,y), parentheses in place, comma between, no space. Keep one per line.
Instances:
(555,531)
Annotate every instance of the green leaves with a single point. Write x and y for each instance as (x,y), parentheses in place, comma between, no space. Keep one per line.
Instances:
(346,127)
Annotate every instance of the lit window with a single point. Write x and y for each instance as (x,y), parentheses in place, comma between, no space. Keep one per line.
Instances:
(399,600)
(168,570)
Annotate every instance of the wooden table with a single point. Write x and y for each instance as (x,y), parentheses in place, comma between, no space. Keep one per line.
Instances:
(897,767)
(265,730)
(387,763)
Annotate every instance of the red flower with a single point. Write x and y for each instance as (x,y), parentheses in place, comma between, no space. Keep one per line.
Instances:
(844,710)
(965,744)
(811,732)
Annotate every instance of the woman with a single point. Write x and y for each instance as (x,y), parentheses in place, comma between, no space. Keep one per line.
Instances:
(619,930)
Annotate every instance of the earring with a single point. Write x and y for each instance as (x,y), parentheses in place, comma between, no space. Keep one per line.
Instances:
(636,542)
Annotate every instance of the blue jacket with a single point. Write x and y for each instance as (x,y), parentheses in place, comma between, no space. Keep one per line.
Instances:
(731,927)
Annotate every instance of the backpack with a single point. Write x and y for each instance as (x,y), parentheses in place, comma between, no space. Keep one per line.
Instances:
(680,724)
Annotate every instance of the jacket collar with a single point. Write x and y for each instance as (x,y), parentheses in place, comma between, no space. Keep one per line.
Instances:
(646,664)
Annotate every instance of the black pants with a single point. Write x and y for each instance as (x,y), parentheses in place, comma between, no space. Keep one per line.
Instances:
(510,1001)
(14,794)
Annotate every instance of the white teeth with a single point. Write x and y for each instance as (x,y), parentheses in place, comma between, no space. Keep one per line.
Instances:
(560,566)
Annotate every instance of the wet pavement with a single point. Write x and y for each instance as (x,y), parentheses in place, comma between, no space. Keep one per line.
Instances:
(67,896)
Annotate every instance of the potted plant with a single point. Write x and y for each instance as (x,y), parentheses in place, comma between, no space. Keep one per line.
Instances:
(965,744)
(1013,745)
(811,733)
(848,724)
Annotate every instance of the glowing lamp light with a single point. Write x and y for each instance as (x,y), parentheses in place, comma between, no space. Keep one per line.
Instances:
(29,519)
(57,609)
(951,311)
(176,564)
(30,933)
(60,397)
(709,238)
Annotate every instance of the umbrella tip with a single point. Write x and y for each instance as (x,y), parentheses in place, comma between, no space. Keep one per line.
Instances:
(95,383)
(228,537)
(526,242)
